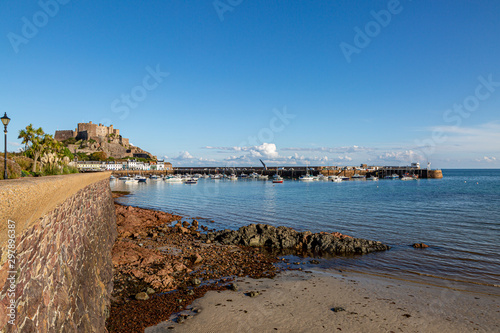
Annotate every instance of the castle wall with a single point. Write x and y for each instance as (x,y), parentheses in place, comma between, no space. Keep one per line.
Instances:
(65,227)
(90,128)
(64,135)
(95,130)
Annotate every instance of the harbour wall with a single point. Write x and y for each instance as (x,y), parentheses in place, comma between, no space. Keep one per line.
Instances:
(62,228)
(296,172)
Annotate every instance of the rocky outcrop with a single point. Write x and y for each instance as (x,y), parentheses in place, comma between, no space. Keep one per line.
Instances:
(282,238)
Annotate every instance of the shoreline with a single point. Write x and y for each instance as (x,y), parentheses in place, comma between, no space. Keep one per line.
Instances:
(157,267)
(324,302)
(160,307)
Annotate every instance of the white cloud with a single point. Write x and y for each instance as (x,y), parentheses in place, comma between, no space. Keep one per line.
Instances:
(335,150)
(264,150)
(483,138)
(407,156)
(488,159)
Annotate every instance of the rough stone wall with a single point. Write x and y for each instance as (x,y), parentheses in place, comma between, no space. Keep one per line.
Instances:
(89,127)
(102,131)
(63,266)
(64,135)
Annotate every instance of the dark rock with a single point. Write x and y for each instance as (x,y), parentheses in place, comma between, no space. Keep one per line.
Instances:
(233,287)
(253,294)
(263,235)
(314,262)
(338,309)
(420,245)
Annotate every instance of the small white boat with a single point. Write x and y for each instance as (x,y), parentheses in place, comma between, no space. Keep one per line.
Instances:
(233,177)
(191,181)
(322,177)
(358,176)
(254,175)
(173,179)
(217,176)
(306,178)
(393,176)
(277,179)
(336,179)
(345,178)
(155,177)
(263,177)
(124,178)
(372,178)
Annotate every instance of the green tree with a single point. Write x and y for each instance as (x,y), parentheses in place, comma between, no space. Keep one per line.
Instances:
(66,152)
(33,140)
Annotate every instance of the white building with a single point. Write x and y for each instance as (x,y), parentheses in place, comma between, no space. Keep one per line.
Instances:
(114,166)
(91,166)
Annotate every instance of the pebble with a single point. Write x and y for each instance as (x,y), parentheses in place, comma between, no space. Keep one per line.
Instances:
(338,309)
(142,296)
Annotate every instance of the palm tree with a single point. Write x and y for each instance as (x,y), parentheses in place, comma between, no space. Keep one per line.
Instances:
(33,142)
(27,135)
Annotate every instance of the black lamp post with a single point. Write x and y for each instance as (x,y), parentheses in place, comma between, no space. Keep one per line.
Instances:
(5,122)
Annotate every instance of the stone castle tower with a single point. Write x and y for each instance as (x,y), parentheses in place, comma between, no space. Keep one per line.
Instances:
(87,131)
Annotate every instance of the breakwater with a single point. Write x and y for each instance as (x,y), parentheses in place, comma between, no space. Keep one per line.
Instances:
(56,237)
(295,172)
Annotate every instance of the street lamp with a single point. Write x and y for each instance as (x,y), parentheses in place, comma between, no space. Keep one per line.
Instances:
(5,122)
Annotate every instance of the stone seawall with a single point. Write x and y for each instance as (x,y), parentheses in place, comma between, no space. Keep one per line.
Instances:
(60,277)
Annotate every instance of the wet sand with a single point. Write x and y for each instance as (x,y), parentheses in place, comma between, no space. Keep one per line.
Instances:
(345,302)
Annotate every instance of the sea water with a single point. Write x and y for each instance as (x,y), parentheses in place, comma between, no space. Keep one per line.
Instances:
(457,216)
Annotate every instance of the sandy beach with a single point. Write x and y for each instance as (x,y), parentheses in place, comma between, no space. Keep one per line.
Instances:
(349,302)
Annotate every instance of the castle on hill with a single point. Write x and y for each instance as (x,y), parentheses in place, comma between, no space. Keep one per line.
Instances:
(87,131)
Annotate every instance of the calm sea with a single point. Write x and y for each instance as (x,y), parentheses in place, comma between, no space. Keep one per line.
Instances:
(457,216)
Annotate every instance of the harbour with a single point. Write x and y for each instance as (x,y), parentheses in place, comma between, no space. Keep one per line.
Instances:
(461,234)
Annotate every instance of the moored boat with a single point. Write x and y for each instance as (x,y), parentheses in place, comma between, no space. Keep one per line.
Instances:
(191,181)
(173,179)
(336,179)
(278,180)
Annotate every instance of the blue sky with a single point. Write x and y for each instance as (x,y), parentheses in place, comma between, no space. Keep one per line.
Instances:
(229,82)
